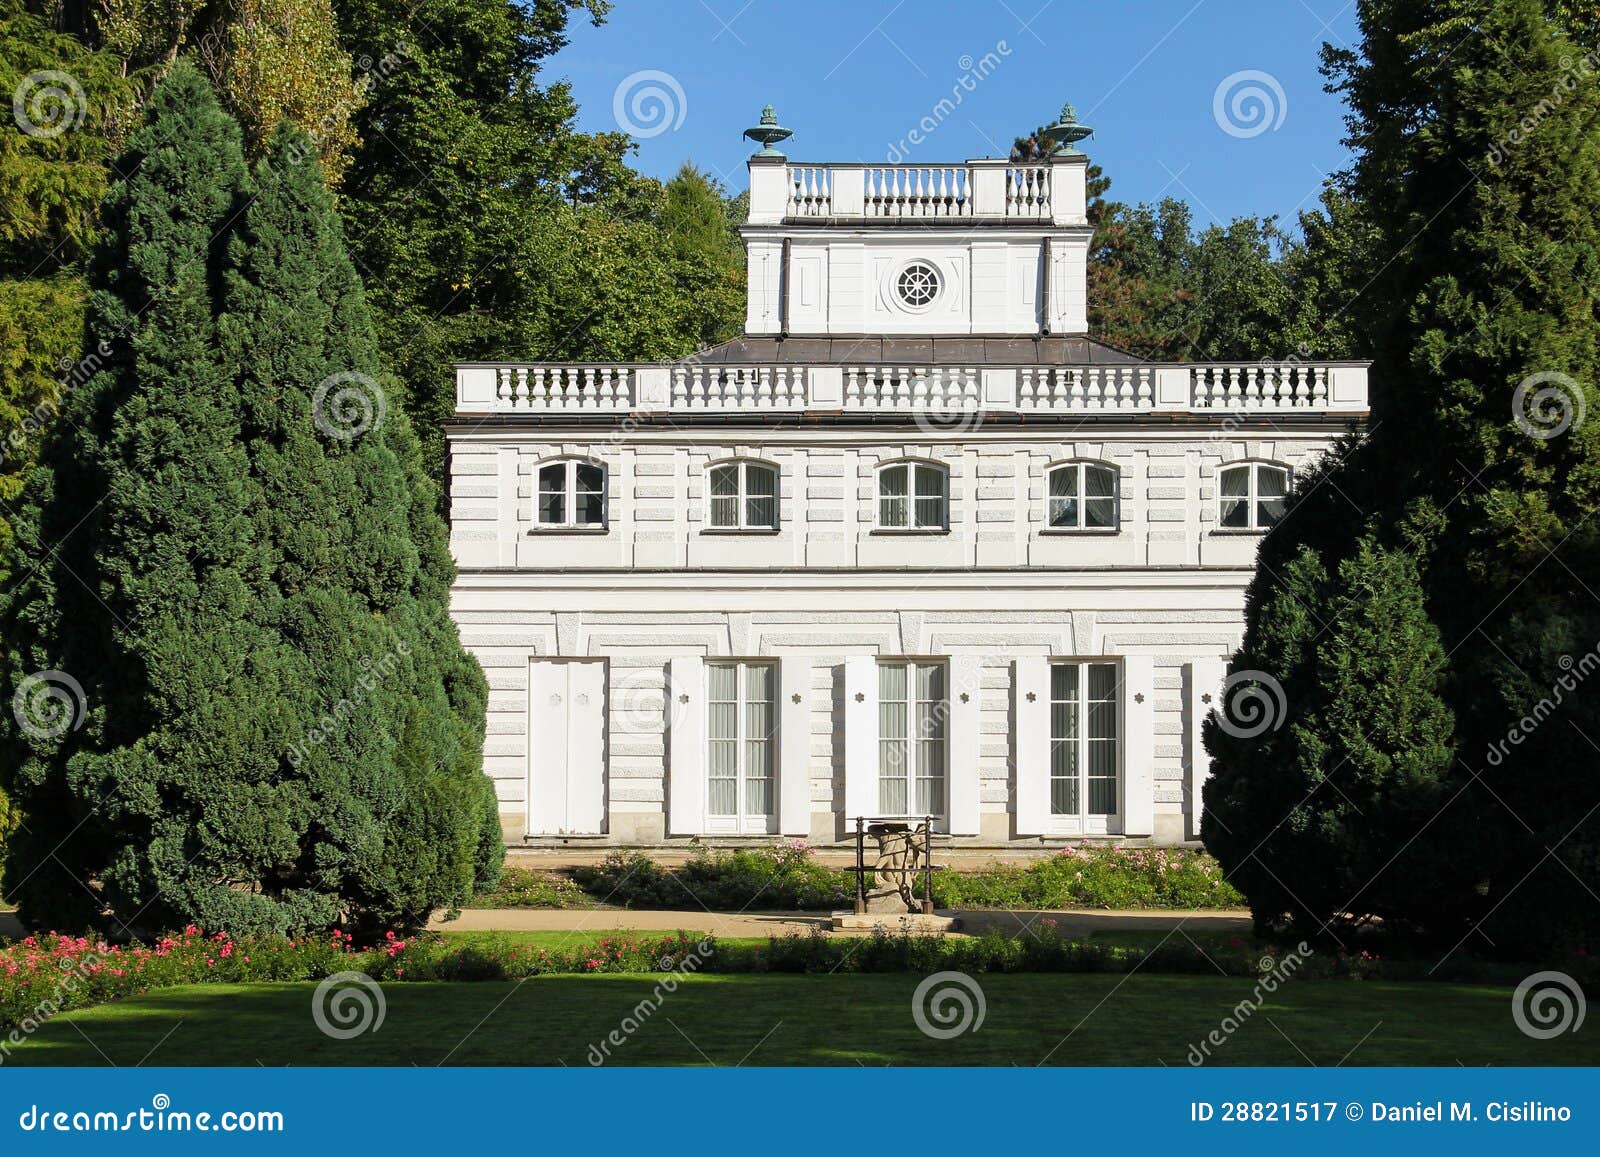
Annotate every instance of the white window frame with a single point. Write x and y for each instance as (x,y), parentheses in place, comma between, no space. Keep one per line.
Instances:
(1083,822)
(914,467)
(910,743)
(569,522)
(1081,466)
(743,823)
(1252,497)
(742,524)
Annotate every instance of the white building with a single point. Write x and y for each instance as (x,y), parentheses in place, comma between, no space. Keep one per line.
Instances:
(913,544)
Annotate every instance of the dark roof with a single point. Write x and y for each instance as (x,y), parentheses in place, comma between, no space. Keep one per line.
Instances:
(955,350)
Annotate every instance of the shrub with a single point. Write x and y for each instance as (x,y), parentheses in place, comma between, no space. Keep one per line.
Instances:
(1093,877)
(527,888)
(784,877)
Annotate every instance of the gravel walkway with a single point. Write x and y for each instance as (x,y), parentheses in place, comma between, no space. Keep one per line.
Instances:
(1077,922)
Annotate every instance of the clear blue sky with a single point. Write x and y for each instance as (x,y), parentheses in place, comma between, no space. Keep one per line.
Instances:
(852,78)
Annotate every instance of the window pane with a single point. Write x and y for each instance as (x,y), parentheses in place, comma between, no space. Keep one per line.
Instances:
(1064,513)
(891,680)
(1236,481)
(1100,513)
(553,494)
(1099,482)
(930,496)
(725,496)
(1103,681)
(1064,482)
(892,796)
(591,478)
(761,512)
(762,480)
(722,786)
(930,789)
(1236,513)
(1064,795)
(725,481)
(1102,796)
(758,686)
(892,481)
(591,509)
(1272,484)
(892,512)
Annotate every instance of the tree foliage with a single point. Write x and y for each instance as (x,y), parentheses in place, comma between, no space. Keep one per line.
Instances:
(1476,198)
(282,730)
(1160,289)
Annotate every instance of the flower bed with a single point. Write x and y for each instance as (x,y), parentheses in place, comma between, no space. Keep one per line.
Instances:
(1094,877)
(40,977)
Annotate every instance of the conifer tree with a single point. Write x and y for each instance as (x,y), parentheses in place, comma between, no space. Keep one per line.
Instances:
(241,568)
(1477,125)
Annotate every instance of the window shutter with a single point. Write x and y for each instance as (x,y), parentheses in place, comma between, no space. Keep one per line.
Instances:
(794,745)
(966,702)
(860,738)
(1138,745)
(1205,679)
(1030,743)
(686,709)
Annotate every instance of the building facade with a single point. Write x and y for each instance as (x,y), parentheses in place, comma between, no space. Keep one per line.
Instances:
(913,545)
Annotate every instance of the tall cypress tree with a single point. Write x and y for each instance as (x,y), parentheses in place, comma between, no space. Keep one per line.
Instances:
(1477,125)
(284,731)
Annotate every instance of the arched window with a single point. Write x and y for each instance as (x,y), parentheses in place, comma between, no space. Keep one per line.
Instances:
(1250,495)
(1082,496)
(913,496)
(572,495)
(743,495)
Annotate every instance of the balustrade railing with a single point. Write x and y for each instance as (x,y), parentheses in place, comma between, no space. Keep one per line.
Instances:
(915,191)
(738,388)
(565,387)
(1086,388)
(1260,386)
(1222,389)
(920,192)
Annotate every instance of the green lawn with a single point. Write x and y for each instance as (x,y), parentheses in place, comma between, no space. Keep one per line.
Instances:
(776,1020)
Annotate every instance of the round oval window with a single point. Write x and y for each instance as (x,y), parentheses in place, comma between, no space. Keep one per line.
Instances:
(918,284)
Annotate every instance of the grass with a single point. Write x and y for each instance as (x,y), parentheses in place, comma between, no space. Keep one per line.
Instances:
(814,1020)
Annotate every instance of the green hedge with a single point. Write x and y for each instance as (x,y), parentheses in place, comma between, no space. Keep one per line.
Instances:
(789,878)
